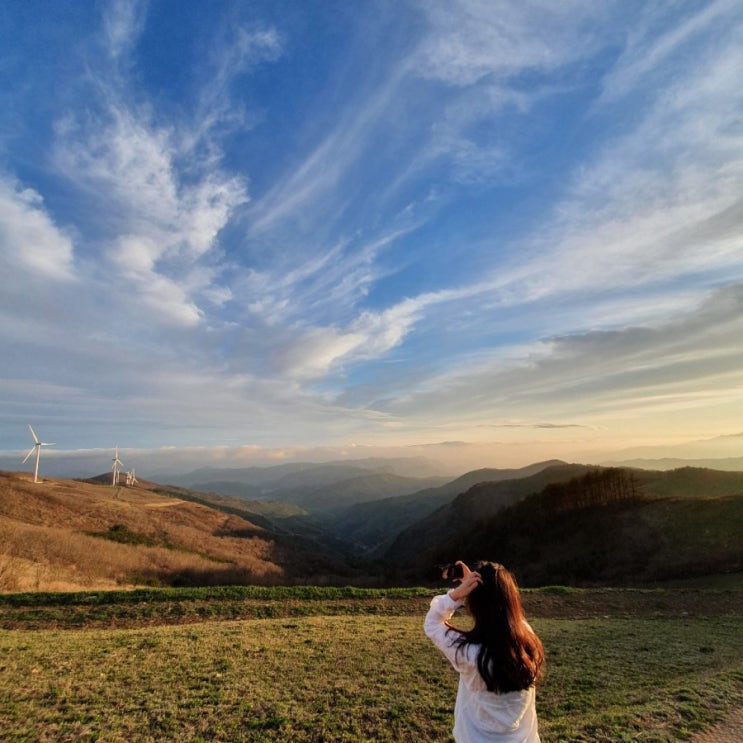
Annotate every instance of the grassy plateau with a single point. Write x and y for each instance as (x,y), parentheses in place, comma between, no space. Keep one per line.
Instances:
(334,664)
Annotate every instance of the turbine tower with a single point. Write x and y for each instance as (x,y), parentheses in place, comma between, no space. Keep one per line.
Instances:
(115,468)
(36,448)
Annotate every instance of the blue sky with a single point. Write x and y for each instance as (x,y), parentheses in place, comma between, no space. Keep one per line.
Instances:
(271,229)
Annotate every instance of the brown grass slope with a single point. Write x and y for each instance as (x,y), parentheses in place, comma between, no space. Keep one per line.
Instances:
(70,535)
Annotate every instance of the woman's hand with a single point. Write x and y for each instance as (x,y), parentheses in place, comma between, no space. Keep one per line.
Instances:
(469,582)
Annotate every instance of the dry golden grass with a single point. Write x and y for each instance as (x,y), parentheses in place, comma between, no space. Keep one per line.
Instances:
(46,542)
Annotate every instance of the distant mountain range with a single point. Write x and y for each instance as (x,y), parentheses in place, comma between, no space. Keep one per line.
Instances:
(725,464)
(372,526)
(305,474)
(552,522)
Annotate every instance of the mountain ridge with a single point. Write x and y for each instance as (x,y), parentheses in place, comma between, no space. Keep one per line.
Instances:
(576,530)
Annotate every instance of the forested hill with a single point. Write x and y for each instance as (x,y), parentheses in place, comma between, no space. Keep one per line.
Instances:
(421,541)
(583,525)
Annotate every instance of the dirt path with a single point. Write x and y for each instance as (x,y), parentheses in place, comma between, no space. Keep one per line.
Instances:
(728,730)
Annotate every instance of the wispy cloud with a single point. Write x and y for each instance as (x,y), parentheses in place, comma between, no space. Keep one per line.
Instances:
(311,186)
(472,39)
(596,377)
(123,21)
(652,48)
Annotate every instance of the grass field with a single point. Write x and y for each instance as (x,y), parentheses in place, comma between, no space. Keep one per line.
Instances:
(335,665)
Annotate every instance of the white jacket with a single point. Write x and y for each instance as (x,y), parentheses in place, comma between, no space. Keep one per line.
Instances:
(479,714)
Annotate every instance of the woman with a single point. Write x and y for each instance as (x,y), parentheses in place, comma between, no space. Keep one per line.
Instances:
(499,660)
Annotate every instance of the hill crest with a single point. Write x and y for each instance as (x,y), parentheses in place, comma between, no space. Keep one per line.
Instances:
(70,534)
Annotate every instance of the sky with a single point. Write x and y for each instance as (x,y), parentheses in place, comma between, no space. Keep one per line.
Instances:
(481,231)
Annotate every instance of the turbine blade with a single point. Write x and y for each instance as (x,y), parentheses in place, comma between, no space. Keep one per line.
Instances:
(30,452)
(36,441)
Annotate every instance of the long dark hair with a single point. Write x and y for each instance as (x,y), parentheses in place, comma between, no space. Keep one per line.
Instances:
(511,656)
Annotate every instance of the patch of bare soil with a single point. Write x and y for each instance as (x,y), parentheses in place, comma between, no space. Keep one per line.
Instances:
(728,730)
(597,603)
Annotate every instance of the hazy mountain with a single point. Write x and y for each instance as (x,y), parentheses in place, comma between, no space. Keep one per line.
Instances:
(718,447)
(229,488)
(726,464)
(259,477)
(373,525)
(338,496)
(291,476)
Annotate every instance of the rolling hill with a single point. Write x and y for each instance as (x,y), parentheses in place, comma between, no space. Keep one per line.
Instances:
(582,525)
(551,522)
(67,534)
(372,526)
(421,542)
(365,511)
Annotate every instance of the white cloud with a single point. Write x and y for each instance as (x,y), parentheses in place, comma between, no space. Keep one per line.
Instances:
(29,239)
(315,352)
(135,259)
(162,224)
(123,21)
(471,39)
(123,162)
(649,54)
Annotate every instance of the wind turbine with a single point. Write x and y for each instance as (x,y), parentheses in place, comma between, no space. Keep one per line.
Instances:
(36,448)
(115,468)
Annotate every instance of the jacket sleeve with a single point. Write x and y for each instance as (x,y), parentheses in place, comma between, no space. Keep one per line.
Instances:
(436,629)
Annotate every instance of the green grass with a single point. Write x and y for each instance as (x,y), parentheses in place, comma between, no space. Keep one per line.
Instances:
(212,593)
(143,607)
(639,680)
(354,675)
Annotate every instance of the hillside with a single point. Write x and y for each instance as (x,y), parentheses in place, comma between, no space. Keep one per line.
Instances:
(553,523)
(419,544)
(372,526)
(600,526)
(66,534)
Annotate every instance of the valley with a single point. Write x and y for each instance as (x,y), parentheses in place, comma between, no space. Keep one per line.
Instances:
(370,523)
